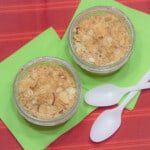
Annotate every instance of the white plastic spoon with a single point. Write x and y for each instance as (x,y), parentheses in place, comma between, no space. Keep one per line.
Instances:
(107,95)
(109,121)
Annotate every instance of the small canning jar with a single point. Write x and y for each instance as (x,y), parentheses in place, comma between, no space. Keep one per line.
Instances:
(47,91)
(101,39)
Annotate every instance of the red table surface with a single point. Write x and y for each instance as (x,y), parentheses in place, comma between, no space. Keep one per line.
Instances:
(21,21)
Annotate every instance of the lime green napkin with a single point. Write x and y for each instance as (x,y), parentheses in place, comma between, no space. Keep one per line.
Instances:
(138,64)
(29,136)
(35,137)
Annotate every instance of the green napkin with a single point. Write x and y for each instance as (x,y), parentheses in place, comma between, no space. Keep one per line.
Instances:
(139,62)
(29,136)
(35,137)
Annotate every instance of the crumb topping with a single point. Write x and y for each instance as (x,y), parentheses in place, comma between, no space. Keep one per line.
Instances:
(47,91)
(101,39)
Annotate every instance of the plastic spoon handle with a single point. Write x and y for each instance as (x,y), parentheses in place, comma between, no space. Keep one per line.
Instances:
(127,100)
(145,78)
(137,87)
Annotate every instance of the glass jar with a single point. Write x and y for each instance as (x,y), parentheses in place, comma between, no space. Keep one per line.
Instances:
(24,72)
(79,34)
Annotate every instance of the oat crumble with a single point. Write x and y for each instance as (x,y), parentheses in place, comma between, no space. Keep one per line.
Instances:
(47,91)
(101,39)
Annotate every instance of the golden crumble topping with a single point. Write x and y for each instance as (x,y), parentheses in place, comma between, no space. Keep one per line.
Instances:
(101,39)
(47,91)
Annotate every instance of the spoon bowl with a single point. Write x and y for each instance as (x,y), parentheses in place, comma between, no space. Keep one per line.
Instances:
(107,95)
(104,95)
(108,123)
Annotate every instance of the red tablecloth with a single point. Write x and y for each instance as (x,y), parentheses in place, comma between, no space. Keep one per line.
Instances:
(20,21)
